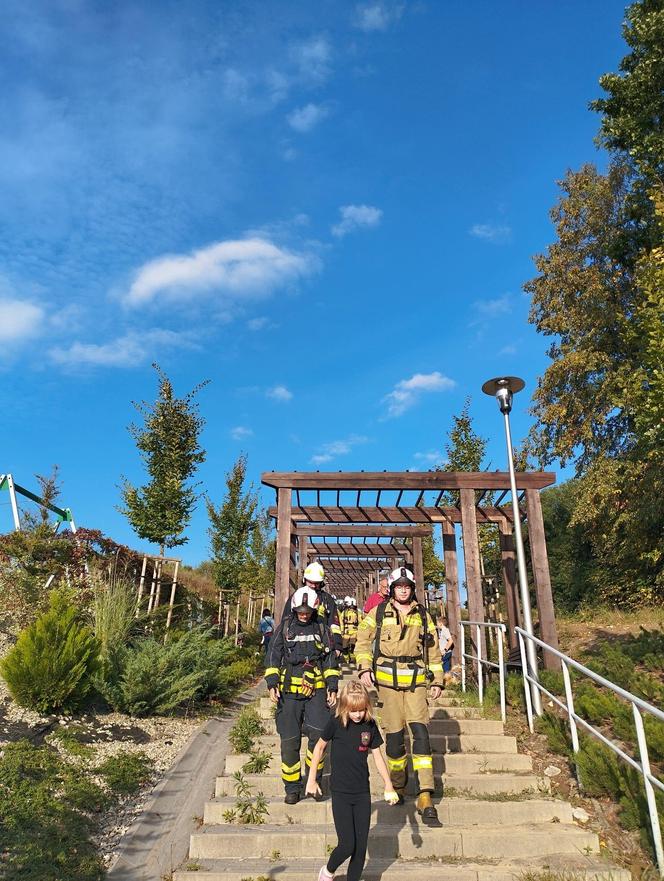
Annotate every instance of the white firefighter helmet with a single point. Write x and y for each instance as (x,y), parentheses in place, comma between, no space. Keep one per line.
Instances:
(347,601)
(353,602)
(400,576)
(314,573)
(305,599)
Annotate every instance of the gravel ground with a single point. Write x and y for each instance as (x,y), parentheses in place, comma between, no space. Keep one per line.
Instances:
(160,738)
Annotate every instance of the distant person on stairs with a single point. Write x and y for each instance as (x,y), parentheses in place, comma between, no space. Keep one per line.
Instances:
(380,596)
(266,627)
(404,660)
(302,676)
(352,733)
(349,621)
(446,643)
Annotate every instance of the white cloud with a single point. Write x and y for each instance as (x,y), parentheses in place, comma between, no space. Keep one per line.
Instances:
(487,309)
(356,217)
(303,119)
(130,350)
(259,323)
(508,350)
(407,392)
(497,234)
(235,269)
(331,450)
(236,85)
(280,393)
(19,320)
(377,16)
(432,457)
(312,59)
(240,432)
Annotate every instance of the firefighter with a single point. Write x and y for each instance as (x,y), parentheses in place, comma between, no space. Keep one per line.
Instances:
(404,660)
(314,577)
(349,622)
(302,677)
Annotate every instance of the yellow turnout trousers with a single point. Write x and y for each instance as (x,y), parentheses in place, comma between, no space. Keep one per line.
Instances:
(401,708)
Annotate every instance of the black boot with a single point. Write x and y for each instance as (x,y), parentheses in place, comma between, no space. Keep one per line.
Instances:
(292,798)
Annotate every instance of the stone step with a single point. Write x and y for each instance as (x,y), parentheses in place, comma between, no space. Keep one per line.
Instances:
(451,712)
(440,743)
(479,785)
(580,869)
(450,763)
(439,724)
(469,842)
(451,811)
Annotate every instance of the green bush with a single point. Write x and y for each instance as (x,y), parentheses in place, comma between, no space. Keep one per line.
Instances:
(553,681)
(125,772)
(229,680)
(50,668)
(247,728)
(113,617)
(45,809)
(557,734)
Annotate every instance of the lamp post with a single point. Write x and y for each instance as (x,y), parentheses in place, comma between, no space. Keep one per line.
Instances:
(503,388)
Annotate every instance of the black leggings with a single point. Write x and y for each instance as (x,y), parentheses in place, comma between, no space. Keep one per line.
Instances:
(352,816)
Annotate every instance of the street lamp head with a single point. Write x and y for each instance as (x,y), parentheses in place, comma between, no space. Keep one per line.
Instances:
(503,388)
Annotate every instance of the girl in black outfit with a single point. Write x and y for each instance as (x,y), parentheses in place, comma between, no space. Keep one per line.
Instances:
(353,733)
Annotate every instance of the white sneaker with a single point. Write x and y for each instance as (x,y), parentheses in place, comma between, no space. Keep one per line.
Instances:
(324,875)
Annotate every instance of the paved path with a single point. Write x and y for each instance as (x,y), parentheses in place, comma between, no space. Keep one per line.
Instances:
(158,841)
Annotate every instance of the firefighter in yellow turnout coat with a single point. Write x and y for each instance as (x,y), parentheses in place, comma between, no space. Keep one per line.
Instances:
(404,661)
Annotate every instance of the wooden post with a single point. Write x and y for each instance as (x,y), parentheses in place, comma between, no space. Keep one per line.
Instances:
(540,561)
(282,586)
(153,586)
(418,569)
(237,620)
(302,555)
(508,556)
(141,584)
(471,555)
(157,596)
(452,586)
(220,611)
(172,597)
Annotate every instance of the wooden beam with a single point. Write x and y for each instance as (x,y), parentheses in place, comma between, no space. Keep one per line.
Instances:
(471,556)
(397,480)
(508,557)
(452,587)
(282,575)
(540,562)
(360,531)
(418,569)
(371,515)
(360,549)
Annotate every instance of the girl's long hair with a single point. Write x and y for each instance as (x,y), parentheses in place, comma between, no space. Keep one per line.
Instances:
(354,696)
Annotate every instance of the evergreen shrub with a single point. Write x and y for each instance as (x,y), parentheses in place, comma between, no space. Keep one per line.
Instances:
(50,668)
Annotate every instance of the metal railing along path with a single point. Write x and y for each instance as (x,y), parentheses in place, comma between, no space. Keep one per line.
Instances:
(639,706)
(484,662)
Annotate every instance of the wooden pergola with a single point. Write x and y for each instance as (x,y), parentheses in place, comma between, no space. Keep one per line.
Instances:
(356,523)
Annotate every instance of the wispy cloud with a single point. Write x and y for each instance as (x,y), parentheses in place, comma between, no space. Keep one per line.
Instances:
(130,350)
(356,217)
(312,58)
(304,119)
(496,234)
(240,432)
(20,320)
(508,350)
(487,309)
(328,452)
(279,393)
(431,457)
(377,16)
(233,270)
(407,392)
(259,323)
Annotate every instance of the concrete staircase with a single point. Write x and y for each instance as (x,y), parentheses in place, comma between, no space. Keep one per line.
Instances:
(498,819)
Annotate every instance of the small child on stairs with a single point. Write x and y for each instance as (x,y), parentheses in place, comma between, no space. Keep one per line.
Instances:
(353,733)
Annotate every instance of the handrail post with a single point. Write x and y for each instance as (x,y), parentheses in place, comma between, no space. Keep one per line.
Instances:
(480,671)
(501,675)
(650,792)
(526,684)
(570,707)
(463,658)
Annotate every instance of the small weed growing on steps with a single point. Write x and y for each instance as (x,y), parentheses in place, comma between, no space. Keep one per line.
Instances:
(525,795)
(247,728)
(193,867)
(125,772)
(257,763)
(248,811)
(275,855)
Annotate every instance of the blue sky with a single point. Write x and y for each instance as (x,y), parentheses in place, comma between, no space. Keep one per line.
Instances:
(328,209)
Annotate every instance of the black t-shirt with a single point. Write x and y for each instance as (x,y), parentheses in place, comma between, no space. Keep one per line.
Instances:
(350,749)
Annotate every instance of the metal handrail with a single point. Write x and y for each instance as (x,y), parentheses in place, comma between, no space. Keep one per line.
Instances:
(639,706)
(484,662)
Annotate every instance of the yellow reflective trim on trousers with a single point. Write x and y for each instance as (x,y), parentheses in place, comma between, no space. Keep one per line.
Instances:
(291,778)
(436,668)
(422,762)
(328,673)
(405,679)
(335,628)
(397,764)
(271,671)
(309,757)
(363,656)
